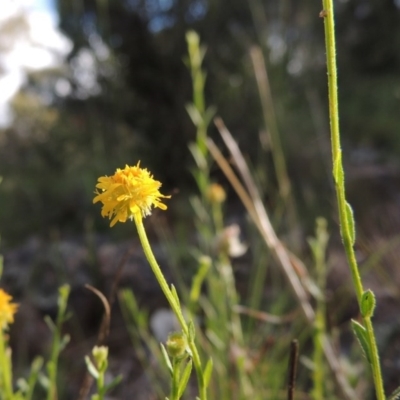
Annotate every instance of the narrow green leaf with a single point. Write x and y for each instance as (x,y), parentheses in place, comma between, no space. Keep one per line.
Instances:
(361,335)
(91,368)
(204,266)
(44,381)
(36,366)
(49,322)
(350,223)
(63,294)
(209,115)
(338,173)
(194,114)
(166,359)
(175,294)
(395,395)
(368,304)
(192,332)
(207,372)
(113,383)
(64,341)
(198,156)
(185,378)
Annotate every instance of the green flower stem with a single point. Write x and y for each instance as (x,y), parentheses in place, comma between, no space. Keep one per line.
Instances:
(173,303)
(345,223)
(5,369)
(100,386)
(175,379)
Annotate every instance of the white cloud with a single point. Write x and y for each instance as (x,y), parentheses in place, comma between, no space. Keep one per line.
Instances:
(44,33)
(29,41)
(10,83)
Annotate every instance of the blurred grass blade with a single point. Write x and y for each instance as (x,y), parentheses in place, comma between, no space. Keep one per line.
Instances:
(395,395)
(185,378)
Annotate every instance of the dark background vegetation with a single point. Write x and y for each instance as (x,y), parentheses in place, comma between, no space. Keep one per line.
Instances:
(53,153)
(131,106)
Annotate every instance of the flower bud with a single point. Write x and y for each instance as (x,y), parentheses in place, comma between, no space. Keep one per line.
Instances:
(176,345)
(100,355)
(216,193)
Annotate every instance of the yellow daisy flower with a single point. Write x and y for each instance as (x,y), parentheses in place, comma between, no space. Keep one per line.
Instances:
(130,191)
(7,309)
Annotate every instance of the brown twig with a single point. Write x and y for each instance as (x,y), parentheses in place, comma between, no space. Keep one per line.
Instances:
(259,215)
(266,317)
(260,218)
(105,323)
(294,355)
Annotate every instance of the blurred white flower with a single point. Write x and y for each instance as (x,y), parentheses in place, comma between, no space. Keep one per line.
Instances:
(229,241)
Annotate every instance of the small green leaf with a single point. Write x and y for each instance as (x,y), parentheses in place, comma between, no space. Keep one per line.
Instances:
(198,156)
(185,378)
(338,173)
(44,381)
(49,322)
(204,266)
(350,223)
(36,366)
(63,293)
(194,114)
(368,304)
(209,115)
(166,359)
(22,386)
(395,395)
(91,368)
(64,341)
(361,335)
(113,383)
(175,294)
(207,372)
(191,332)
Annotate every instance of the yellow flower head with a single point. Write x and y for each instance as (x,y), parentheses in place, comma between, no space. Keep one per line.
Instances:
(130,191)
(216,194)
(7,309)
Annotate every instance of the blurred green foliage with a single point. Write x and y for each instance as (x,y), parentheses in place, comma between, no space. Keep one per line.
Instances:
(52,154)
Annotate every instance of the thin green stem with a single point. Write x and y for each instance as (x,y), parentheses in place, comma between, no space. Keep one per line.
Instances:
(172,302)
(345,219)
(5,378)
(52,366)
(376,367)
(318,246)
(175,379)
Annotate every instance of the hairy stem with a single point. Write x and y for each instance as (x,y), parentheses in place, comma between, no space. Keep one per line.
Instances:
(346,218)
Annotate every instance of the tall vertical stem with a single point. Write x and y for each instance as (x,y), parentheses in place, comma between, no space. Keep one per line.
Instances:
(345,215)
(172,302)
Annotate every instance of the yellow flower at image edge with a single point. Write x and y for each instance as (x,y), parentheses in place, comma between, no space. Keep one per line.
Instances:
(7,309)
(130,191)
